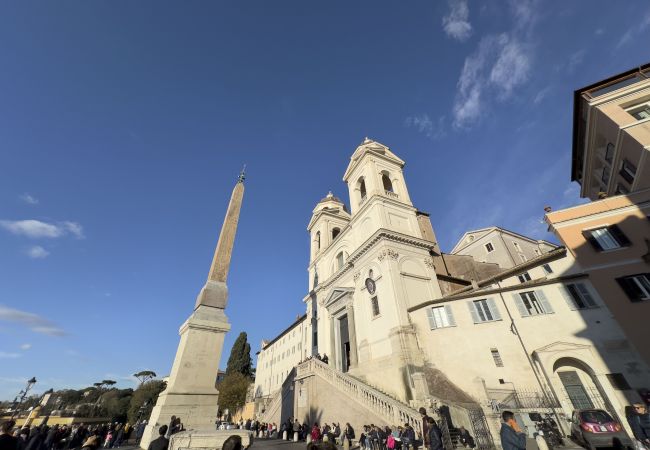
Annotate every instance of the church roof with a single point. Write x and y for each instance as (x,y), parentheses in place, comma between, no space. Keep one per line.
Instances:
(371,146)
(331,198)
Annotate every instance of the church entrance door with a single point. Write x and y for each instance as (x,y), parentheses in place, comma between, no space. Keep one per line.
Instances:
(345,344)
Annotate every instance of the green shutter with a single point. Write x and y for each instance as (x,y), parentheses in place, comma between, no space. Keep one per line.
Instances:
(548,309)
(496,315)
(432,320)
(450,316)
(520,305)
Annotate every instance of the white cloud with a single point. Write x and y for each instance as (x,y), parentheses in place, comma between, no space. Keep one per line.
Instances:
(541,95)
(32,321)
(37,252)
(9,355)
(633,32)
(524,13)
(575,60)
(425,125)
(35,229)
(455,23)
(499,65)
(29,199)
(512,66)
(599,32)
(25,346)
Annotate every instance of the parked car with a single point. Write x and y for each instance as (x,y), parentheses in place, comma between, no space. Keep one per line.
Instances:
(594,428)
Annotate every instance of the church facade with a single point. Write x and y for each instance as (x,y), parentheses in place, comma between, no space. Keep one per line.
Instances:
(394,313)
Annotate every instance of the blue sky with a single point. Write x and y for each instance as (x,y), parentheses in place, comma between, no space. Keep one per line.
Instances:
(123,126)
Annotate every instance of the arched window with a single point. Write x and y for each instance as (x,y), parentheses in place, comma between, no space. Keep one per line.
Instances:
(362,188)
(335,232)
(318,240)
(339,260)
(388,185)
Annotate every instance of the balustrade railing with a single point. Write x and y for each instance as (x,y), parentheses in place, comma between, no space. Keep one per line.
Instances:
(391,410)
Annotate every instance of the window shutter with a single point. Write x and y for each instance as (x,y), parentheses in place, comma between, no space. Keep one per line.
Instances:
(450,316)
(472,310)
(520,305)
(586,295)
(496,315)
(568,298)
(622,240)
(432,320)
(630,288)
(592,240)
(548,309)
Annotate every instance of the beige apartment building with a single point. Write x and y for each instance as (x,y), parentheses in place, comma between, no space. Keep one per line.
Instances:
(611,135)
(610,240)
(500,246)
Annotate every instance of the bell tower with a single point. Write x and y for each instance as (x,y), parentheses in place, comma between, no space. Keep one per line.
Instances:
(378,191)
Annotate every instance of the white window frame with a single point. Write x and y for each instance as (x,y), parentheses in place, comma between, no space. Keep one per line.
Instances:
(538,304)
(523,277)
(440,317)
(605,238)
(484,310)
(642,107)
(486,246)
(578,296)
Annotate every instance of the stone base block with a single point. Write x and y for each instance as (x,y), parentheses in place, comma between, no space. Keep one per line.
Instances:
(207,439)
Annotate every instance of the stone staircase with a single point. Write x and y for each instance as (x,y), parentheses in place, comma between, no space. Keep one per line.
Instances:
(272,409)
(348,389)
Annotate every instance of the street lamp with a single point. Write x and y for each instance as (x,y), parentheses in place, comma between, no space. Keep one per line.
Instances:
(22,394)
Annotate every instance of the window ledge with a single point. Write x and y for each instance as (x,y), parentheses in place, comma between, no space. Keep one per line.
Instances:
(488,321)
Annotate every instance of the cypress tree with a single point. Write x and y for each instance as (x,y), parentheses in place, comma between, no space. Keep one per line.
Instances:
(240,357)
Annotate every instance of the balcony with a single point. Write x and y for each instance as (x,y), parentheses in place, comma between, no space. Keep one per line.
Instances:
(391,194)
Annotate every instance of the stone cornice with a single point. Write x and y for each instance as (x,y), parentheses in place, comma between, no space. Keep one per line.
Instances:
(380,235)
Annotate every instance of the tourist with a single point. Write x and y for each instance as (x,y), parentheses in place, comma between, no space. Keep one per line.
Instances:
(162,442)
(296,429)
(315,433)
(465,438)
(232,443)
(7,440)
(139,431)
(408,436)
(435,435)
(639,421)
(348,434)
(325,359)
(425,426)
(92,443)
(512,438)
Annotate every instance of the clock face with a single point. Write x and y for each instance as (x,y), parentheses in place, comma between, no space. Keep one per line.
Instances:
(370,285)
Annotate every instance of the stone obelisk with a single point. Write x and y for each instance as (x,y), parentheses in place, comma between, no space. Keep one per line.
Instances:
(191,394)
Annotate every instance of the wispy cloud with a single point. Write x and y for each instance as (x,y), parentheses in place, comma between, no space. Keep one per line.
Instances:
(456,23)
(25,346)
(37,252)
(424,124)
(27,198)
(36,229)
(500,64)
(8,355)
(541,95)
(575,60)
(32,321)
(633,32)
(496,68)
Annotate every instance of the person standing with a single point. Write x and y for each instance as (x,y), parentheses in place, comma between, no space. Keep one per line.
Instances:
(435,435)
(162,443)
(639,422)
(425,426)
(512,438)
(465,438)
(7,440)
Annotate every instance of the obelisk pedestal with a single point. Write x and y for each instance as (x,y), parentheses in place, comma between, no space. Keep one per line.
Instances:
(191,394)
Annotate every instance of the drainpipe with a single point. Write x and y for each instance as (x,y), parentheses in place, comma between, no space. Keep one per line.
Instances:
(513,328)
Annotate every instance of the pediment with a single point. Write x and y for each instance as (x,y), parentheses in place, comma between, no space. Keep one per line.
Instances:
(560,346)
(335,295)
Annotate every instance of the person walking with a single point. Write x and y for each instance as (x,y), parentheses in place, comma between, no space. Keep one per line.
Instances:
(425,426)
(512,438)
(465,438)
(315,433)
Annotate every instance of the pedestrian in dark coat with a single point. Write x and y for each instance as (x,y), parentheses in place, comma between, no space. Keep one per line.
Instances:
(36,439)
(512,438)
(7,440)
(162,443)
(435,435)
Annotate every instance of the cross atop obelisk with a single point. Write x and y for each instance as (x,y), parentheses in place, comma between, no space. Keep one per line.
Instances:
(215,292)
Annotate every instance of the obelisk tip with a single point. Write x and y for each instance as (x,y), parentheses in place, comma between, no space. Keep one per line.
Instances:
(242,175)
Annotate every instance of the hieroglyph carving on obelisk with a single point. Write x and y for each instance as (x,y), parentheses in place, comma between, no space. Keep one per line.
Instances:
(191,394)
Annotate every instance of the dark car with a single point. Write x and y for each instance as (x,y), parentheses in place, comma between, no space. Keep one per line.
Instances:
(596,428)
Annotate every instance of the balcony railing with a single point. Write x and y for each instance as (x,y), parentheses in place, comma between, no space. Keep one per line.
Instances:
(391,194)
